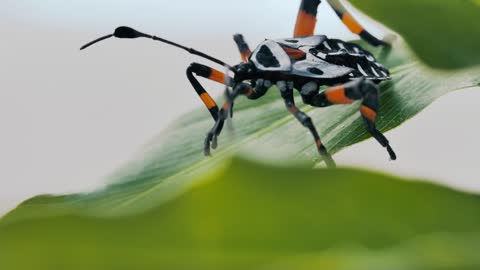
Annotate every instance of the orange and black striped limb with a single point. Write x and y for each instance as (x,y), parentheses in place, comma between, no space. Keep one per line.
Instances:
(353,25)
(211,74)
(306,18)
(245,51)
(360,89)
(336,95)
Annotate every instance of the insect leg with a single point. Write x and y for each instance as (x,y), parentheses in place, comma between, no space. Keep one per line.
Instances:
(306,18)
(245,51)
(209,73)
(360,89)
(286,90)
(353,25)
(260,88)
(211,138)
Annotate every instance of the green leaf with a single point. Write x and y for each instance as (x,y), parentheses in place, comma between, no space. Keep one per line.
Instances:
(443,33)
(250,216)
(263,130)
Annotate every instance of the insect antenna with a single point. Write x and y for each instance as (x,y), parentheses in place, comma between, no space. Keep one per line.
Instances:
(130,33)
(95,41)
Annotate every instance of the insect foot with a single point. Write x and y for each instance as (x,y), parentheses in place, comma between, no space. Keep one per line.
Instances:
(211,138)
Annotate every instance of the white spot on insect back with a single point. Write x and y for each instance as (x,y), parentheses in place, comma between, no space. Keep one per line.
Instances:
(321,55)
(327,46)
(361,70)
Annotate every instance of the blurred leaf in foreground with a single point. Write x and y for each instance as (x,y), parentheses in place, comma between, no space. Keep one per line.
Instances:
(444,33)
(250,216)
(263,129)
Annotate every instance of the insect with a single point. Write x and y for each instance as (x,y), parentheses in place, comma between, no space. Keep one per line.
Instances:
(304,63)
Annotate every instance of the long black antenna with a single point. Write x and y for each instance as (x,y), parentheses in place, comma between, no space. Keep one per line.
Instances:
(95,41)
(127,32)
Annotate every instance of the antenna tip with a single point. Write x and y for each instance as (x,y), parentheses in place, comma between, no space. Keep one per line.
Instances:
(128,32)
(95,41)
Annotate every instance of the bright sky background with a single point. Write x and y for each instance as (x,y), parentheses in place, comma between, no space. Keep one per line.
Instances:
(69,118)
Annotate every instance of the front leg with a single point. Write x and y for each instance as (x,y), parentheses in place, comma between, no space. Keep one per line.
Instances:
(212,135)
(211,138)
(208,73)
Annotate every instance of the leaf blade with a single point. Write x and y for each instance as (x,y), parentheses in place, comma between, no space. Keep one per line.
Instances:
(242,217)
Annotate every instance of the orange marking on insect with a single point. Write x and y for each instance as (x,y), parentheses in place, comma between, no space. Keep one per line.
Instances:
(351,23)
(208,101)
(294,53)
(319,143)
(336,95)
(368,113)
(245,55)
(217,76)
(305,25)
(226,106)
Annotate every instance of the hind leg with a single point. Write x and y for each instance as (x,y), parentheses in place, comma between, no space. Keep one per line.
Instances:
(360,89)
(354,26)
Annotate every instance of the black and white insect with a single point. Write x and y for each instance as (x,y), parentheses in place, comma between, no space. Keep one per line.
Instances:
(305,63)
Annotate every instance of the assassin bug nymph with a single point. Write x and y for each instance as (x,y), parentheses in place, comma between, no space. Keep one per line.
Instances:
(305,62)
